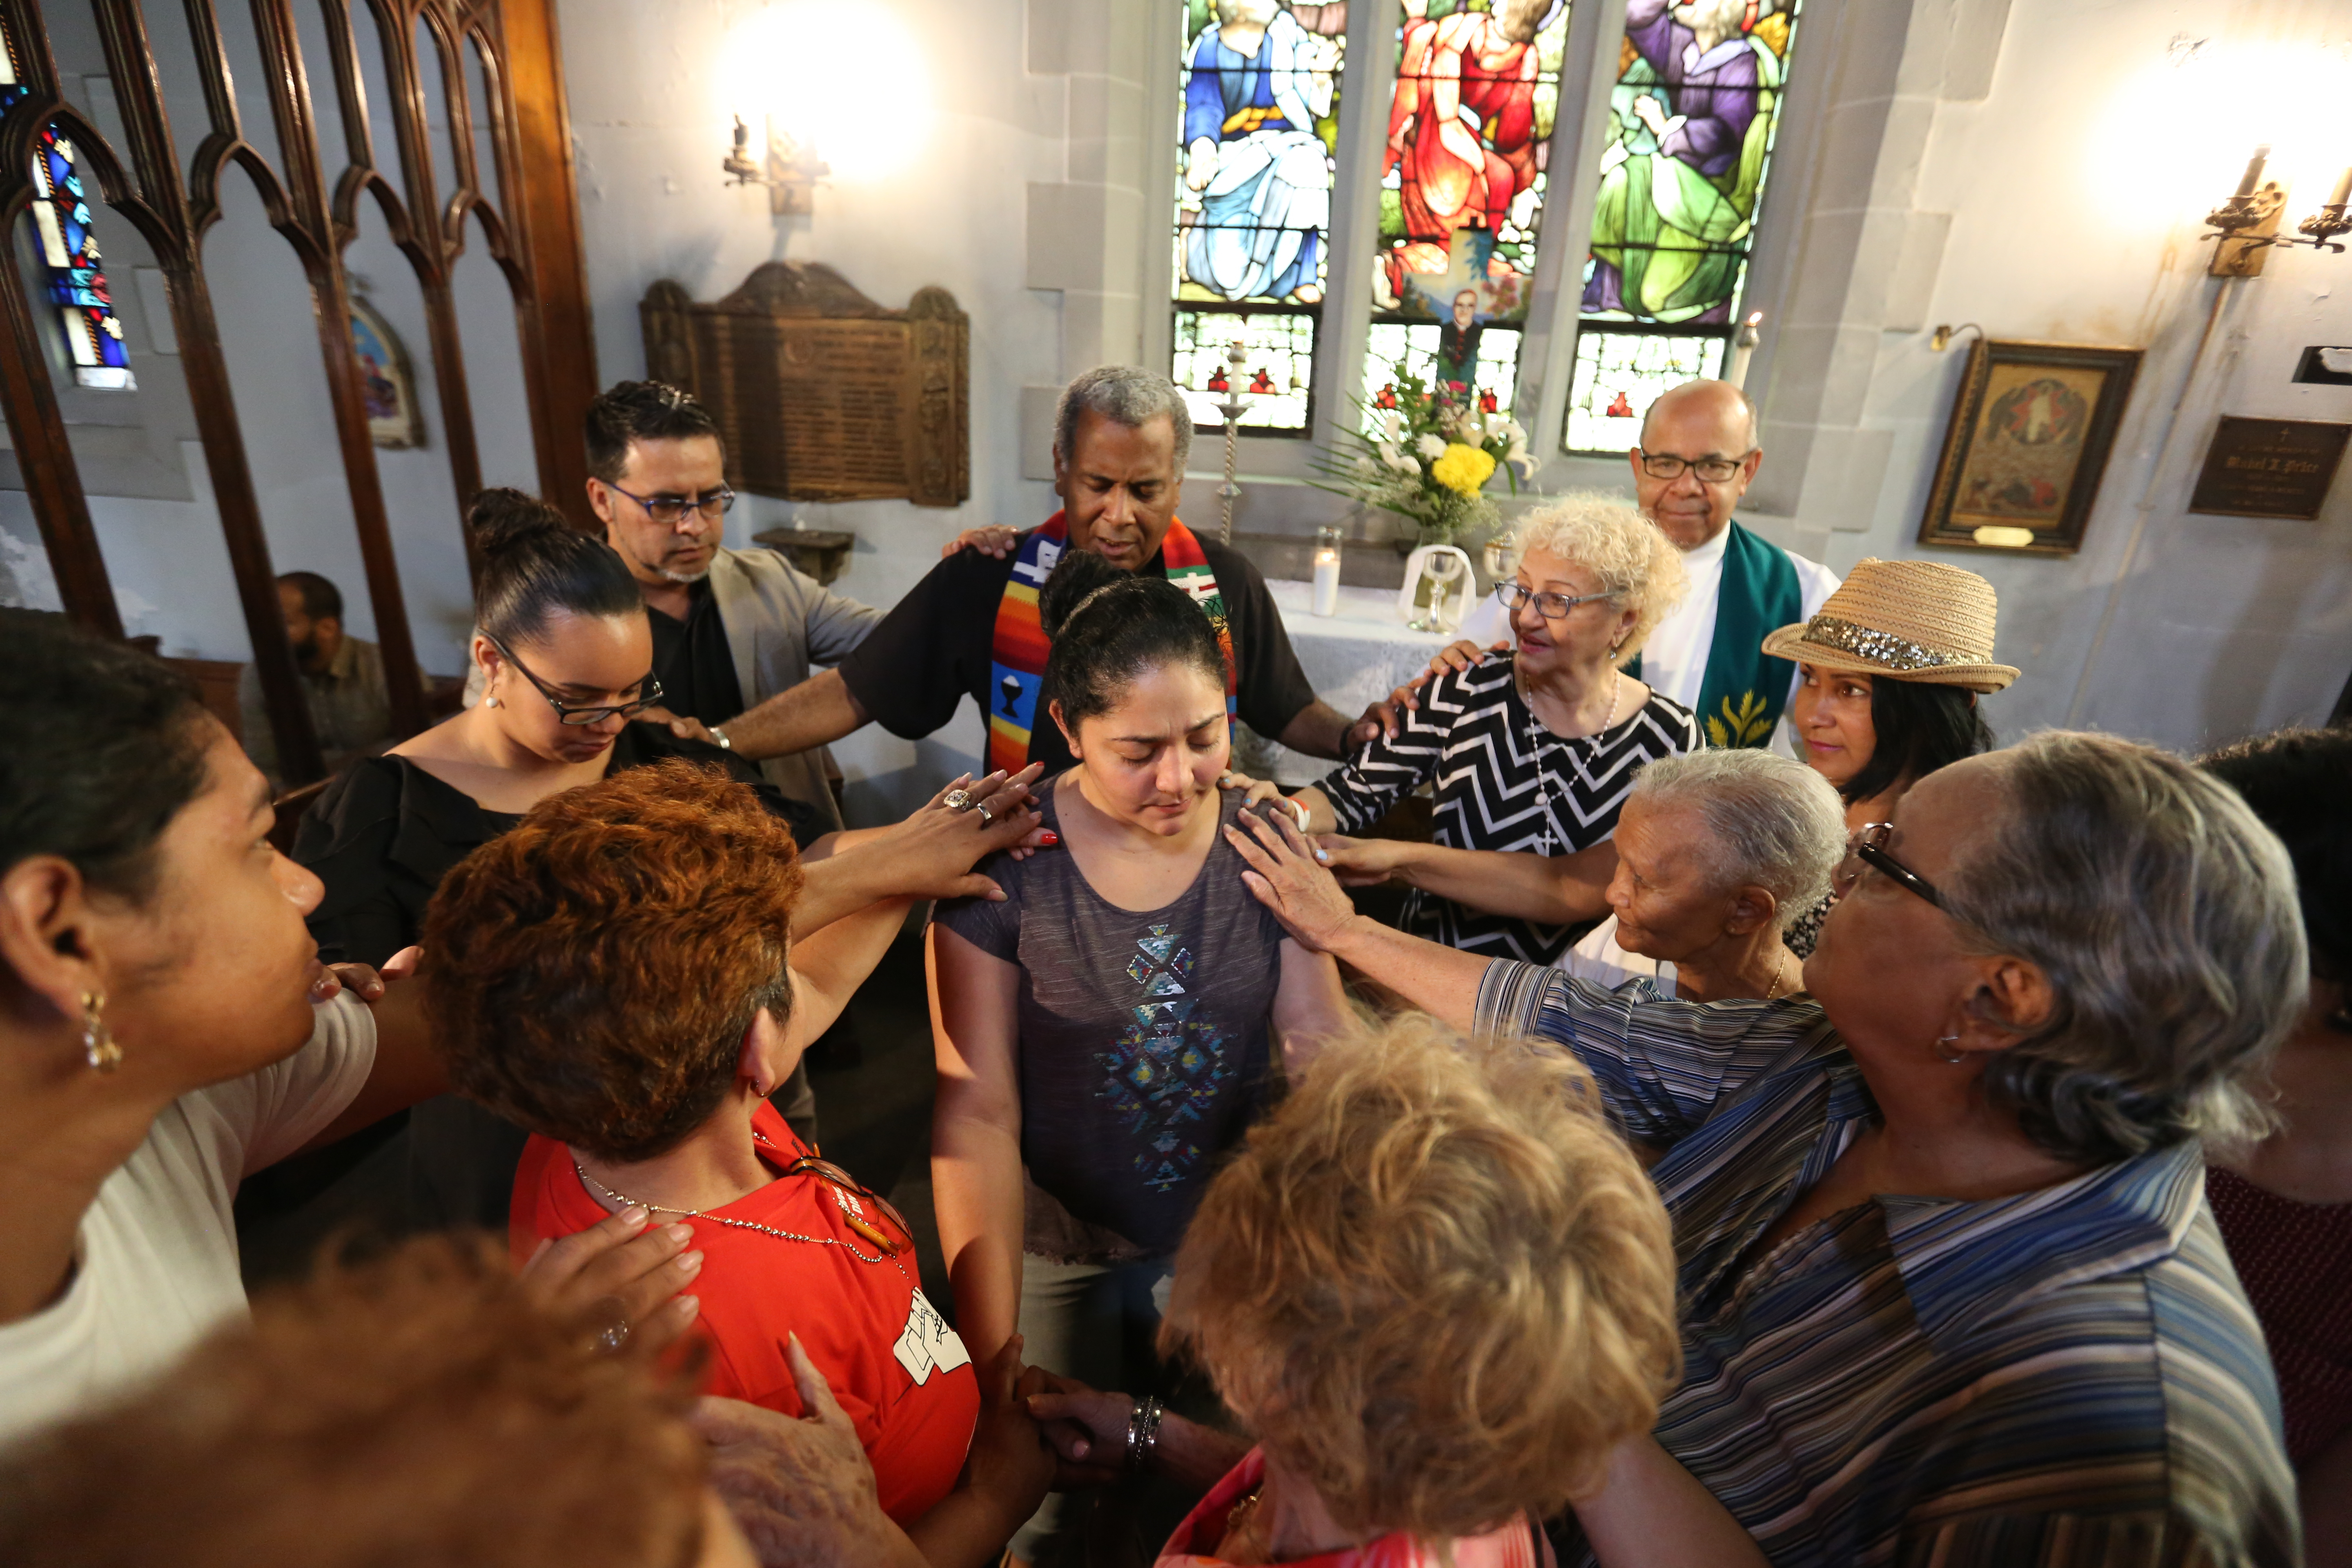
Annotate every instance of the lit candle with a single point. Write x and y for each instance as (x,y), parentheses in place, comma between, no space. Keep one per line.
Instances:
(2343,189)
(1327,582)
(2254,170)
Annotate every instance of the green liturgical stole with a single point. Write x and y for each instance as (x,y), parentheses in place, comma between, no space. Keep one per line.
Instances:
(1744,689)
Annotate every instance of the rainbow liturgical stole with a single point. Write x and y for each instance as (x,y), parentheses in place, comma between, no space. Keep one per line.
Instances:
(1017,650)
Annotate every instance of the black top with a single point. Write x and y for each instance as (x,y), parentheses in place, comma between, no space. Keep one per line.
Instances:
(386,832)
(692,661)
(935,647)
(1144,1036)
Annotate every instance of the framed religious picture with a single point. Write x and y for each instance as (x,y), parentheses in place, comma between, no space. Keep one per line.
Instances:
(386,381)
(2030,433)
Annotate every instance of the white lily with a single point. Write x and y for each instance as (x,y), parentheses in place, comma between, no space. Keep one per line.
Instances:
(1395,458)
(1521,459)
(1511,430)
(1392,426)
(1430,446)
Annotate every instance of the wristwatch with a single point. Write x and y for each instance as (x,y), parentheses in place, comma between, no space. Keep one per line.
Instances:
(720,738)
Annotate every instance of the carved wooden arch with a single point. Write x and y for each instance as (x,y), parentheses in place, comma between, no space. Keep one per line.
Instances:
(530,227)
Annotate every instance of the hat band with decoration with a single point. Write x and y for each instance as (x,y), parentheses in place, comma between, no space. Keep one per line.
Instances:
(1884,648)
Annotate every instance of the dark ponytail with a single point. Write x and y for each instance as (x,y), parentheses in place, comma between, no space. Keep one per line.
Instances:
(1107,626)
(535,564)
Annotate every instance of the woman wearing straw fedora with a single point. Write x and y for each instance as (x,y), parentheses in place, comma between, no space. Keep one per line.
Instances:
(1888,677)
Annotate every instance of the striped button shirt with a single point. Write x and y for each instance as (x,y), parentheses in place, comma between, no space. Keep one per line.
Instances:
(2065,1376)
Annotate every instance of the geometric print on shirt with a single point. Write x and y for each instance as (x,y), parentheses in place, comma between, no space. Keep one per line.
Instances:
(1503,782)
(1167,1064)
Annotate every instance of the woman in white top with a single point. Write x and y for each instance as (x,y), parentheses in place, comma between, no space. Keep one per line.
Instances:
(166,1029)
(1717,852)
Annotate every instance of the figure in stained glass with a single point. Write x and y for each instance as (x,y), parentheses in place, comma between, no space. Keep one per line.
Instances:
(1689,129)
(1467,132)
(61,217)
(1257,86)
(1458,341)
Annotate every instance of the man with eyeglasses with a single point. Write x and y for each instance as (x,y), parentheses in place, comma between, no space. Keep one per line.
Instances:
(731,628)
(1697,457)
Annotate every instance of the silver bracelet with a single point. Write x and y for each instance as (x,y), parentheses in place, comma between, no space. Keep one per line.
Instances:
(719,737)
(1143,1434)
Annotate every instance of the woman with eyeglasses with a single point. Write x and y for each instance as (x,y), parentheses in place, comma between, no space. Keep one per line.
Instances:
(1532,750)
(1951,1290)
(566,655)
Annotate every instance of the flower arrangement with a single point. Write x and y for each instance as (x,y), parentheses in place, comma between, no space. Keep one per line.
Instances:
(1427,454)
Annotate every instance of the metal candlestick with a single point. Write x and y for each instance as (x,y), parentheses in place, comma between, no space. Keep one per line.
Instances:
(1232,408)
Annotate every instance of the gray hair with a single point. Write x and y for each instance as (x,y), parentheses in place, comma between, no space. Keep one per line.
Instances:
(2163,913)
(1776,824)
(1125,395)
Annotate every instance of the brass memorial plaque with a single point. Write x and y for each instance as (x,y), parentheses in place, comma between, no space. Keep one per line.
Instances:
(823,394)
(2269,468)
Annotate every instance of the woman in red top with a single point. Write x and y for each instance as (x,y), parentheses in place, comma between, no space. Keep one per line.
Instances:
(613,974)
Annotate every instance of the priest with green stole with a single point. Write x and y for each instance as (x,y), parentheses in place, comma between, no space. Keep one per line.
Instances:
(1697,456)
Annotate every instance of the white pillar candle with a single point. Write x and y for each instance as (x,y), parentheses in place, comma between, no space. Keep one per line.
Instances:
(1327,582)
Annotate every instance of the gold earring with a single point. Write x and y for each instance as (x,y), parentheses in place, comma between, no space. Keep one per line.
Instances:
(98,1043)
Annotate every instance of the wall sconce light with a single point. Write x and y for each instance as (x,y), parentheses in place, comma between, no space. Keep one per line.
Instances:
(792,170)
(2247,224)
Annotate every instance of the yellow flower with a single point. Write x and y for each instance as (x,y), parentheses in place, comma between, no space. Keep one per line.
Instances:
(1463,469)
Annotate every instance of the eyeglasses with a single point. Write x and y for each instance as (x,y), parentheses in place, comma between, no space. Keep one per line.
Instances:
(668,510)
(1550,607)
(1712,470)
(1866,846)
(649,691)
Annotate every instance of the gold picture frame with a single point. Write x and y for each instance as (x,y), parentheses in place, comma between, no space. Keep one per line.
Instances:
(2030,433)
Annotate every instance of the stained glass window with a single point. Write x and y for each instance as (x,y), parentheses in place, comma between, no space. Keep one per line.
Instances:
(1683,163)
(1254,163)
(1462,191)
(93,332)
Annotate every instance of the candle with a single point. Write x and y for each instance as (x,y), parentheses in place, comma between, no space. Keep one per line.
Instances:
(2343,189)
(2254,170)
(1327,582)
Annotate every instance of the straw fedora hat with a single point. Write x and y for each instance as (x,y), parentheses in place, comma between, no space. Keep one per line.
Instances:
(1906,620)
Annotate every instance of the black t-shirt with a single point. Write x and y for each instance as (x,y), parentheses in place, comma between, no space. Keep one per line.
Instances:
(693,662)
(935,647)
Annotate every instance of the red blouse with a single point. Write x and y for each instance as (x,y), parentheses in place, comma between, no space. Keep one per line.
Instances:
(899,1370)
(2295,1261)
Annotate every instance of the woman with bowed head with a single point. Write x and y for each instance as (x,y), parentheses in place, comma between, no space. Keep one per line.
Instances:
(1531,751)
(617,974)
(1888,680)
(2285,1202)
(1107,1031)
(561,638)
(166,1032)
(1951,1290)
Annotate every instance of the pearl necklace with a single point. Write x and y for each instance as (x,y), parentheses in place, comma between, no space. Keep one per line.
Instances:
(1538,737)
(889,1250)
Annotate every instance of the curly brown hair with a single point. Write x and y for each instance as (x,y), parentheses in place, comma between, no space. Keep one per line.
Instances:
(417,1408)
(591,973)
(1435,1283)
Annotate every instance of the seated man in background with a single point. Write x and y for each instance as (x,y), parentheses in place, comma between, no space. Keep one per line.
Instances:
(424,1408)
(969,626)
(343,677)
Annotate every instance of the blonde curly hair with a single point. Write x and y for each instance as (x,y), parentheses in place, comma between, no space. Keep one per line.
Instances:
(1638,566)
(1435,1283)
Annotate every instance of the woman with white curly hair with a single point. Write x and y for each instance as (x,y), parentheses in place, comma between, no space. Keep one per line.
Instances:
(1533,749)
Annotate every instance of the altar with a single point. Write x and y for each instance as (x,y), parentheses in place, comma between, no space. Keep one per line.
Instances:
(1352,658)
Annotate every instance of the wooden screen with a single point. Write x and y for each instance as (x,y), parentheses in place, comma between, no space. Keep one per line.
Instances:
(165,178)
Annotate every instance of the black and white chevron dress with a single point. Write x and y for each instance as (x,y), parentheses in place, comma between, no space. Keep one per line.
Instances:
(1502,781)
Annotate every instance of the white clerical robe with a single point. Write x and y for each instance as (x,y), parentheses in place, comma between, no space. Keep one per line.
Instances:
(1674,660)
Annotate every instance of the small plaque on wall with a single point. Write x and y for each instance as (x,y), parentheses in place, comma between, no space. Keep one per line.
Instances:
(2269,468)
(822,393)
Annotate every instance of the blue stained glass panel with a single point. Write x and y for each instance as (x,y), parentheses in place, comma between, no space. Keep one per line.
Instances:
(61,217)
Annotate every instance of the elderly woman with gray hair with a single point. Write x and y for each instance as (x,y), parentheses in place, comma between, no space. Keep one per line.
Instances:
(1951,1292)
(1532,750)
(1717,852)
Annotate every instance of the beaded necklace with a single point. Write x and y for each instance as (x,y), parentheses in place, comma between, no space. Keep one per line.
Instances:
(1538,738)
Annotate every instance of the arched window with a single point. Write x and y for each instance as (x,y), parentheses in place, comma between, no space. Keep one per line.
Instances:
(1683,166)
(1256,161)
(93,333)
(1464,174)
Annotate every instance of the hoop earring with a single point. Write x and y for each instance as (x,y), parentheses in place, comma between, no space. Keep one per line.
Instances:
(1950,1058)
(99,1047)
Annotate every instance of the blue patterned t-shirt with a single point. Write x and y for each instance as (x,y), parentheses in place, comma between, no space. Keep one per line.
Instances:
(1143,1036)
